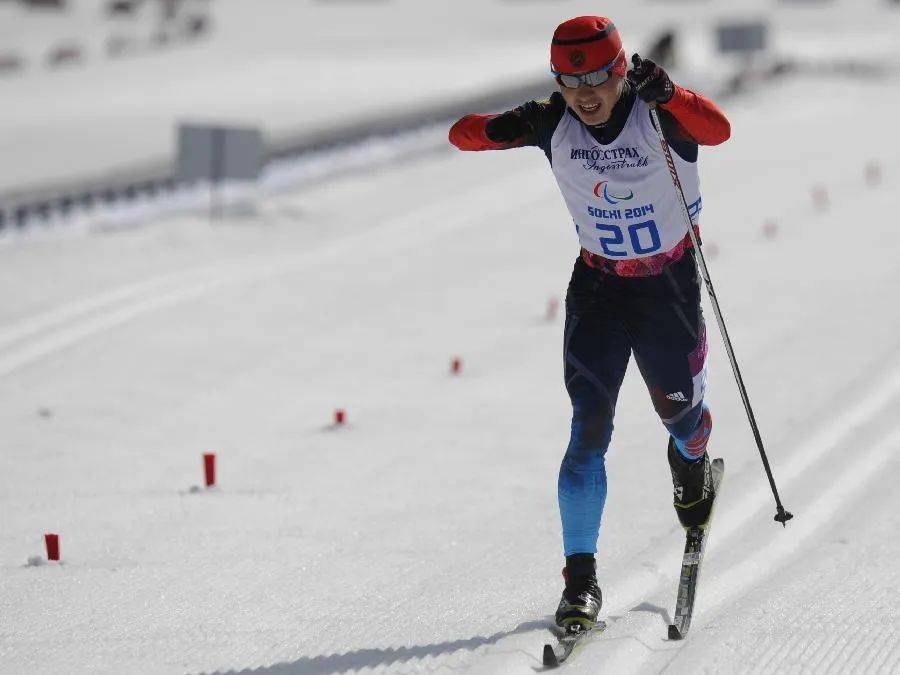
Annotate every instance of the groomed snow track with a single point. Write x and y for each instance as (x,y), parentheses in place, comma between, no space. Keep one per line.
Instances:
(424,535)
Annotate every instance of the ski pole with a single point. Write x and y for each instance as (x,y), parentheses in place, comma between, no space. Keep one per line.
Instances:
(781,516)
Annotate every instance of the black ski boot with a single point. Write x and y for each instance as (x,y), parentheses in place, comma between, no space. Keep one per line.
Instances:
(693,487)
(581,599)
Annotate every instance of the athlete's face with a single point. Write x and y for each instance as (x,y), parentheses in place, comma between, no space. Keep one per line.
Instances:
(593,105)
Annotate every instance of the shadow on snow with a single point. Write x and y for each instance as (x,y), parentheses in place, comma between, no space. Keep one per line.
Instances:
(362,658)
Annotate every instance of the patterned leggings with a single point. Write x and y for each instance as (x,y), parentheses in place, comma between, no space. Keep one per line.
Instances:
(607,317)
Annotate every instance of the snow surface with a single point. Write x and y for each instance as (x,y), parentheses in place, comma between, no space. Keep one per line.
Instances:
(295,66)
(424,535)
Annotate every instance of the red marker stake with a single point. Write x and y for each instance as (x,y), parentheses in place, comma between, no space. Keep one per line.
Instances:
(340,416)
(873,173)
(820,197)
(209,468)
(51,541)
(552,309)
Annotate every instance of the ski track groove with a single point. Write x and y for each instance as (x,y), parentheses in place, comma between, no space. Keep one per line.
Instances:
(812,648)
(865,644)
(40,322)
(71,323)
(817,516)
(891,649)
(831,436)
(894,665)
(829,655)
(873,650)
(776,652)
(760,565)
(882,665)
(817,658)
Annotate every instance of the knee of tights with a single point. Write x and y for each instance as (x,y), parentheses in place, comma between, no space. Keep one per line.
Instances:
(591,422)
(584,460)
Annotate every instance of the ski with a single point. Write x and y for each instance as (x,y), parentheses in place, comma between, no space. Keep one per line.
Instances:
(695,544)
(573,636)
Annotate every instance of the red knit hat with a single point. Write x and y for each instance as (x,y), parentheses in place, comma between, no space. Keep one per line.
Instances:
(587,43)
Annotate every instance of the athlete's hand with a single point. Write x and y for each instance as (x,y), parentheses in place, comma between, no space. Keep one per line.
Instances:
(650,81)
(506,128)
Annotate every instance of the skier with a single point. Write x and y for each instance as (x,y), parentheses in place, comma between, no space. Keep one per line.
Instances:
(635,285)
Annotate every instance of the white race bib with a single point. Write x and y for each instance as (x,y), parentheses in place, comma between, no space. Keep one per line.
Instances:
(621,195)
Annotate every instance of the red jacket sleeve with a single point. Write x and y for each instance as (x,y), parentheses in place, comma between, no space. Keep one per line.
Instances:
(699,117)
(469,134)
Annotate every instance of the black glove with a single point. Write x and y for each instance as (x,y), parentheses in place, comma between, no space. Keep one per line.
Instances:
(506,128)
(650,81)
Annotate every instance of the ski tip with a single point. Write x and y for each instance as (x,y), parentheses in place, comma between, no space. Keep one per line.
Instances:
(674,633)
(550,657)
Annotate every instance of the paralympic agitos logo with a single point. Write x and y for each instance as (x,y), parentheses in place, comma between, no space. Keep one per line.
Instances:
(601,190)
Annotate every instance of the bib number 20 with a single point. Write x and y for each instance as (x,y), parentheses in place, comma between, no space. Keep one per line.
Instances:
(643,238)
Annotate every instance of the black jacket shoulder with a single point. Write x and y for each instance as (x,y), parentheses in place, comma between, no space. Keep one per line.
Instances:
(542,117)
